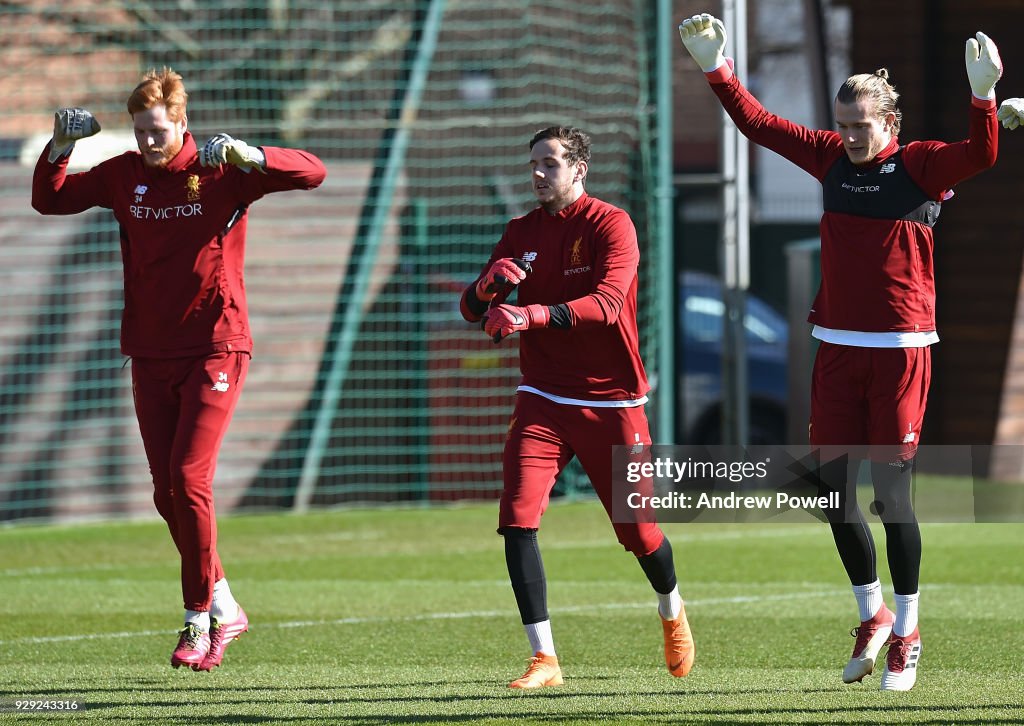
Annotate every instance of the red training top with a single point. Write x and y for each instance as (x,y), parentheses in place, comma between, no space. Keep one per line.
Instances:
(877,273)
(585,256)
(182,240)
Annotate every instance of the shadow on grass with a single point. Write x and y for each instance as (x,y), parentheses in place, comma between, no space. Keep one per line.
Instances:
(507,705)
(484,689)
(524,717)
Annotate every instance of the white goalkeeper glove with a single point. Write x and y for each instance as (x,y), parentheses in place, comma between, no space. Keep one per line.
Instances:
(983,65)
(223,149)
(704,38)
(70,125)
(1011,113)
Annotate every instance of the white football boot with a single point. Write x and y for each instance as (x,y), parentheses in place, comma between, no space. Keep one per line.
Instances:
(871,636)
(900,672)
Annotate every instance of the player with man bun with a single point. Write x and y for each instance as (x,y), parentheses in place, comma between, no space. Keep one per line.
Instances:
(183,213)
(875,310)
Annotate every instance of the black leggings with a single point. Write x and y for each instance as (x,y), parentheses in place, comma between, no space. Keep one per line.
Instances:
(892,485)
(526,572)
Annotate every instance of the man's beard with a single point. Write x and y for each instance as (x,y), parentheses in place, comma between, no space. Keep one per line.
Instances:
(166,154)
(559,200)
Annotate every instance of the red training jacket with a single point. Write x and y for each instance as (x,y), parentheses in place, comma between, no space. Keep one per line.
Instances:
(877,273)
(182,240)
(587,257)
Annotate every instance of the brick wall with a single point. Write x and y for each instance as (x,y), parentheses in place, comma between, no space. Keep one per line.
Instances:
(979,239)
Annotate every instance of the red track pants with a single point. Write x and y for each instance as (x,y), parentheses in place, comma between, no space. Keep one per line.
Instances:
(184,406)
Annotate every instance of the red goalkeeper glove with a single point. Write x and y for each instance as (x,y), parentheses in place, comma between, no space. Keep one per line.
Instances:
(506,271)
(503,320)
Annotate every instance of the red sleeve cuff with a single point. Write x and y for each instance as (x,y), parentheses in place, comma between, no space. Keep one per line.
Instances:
(539,315)
(985,103)
(721,74)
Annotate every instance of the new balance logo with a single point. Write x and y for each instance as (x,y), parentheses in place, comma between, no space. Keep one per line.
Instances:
(530,256)
(887,168)
(222,384)
(909,437)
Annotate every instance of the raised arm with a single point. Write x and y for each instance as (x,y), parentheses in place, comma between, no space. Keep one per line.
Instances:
(937,166)
(53,190)
(704,38)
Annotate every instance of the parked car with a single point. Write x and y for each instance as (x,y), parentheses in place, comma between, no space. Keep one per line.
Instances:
(699,362)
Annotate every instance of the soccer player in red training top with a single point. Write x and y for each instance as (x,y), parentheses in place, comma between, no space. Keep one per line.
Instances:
(583,386)
(182,214)
(875,311)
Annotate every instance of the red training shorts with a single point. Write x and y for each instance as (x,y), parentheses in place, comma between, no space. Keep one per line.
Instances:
(870,396)
(543,436)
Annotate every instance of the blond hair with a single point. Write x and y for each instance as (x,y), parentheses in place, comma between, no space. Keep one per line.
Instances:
(874,87)
(159,87)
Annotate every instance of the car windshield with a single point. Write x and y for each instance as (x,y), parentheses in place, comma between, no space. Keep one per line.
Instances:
(702,320)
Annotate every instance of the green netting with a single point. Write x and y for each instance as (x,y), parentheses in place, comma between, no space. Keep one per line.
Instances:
(366,385)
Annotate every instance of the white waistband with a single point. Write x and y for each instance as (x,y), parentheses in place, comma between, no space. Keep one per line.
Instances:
(629,403)
(859,339)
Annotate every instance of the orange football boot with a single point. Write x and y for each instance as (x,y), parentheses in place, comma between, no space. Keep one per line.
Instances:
(543,671)
(679,649)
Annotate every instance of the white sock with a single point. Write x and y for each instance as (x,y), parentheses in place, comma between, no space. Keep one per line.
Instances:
(540,637)
(906,614)
(670,604)
(223,607)
(200,618)
(869,599)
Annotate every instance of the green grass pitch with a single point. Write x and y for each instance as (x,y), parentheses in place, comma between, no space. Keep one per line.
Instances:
(375,616)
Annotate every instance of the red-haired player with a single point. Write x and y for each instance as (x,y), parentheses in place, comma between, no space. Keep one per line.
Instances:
(182,213)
